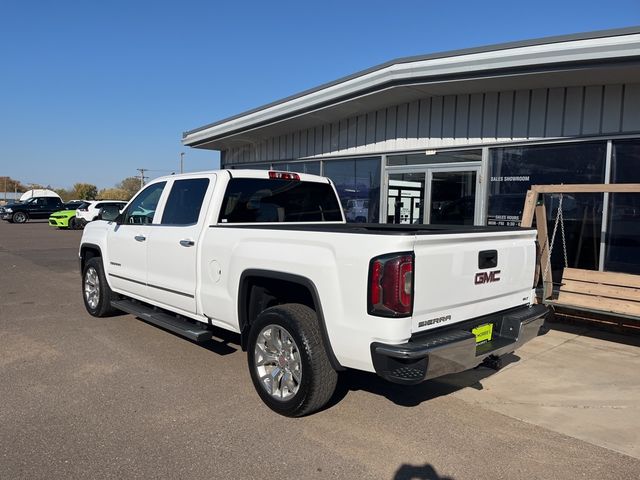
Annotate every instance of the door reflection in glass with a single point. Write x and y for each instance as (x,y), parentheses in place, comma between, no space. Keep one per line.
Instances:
(453,198)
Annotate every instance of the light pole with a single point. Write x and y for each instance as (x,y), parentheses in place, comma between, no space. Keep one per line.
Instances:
(181,162)
(142,177)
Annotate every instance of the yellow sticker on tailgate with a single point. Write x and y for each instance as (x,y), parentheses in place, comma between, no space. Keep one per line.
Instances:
(483,333)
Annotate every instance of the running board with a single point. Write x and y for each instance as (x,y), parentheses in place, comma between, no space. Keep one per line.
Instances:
(169,322)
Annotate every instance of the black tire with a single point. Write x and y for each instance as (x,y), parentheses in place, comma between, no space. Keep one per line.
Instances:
(93,273)
(318,379)
(73,223)
(20,217)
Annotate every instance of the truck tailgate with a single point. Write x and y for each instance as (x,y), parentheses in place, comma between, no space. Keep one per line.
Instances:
(463,276)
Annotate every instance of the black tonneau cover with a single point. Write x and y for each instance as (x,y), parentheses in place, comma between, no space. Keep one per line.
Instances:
(376,228)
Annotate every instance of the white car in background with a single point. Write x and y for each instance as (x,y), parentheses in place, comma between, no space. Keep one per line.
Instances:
(89,211)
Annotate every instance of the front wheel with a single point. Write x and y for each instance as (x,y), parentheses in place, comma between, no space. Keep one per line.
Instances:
(73,223)
(288,363)
(96,292)
(19,217)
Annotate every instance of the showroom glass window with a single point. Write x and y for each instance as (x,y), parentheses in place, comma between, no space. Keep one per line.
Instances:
(623,229)
(434,159)
(514,169)
(249,166)
(358,184)
(300,167)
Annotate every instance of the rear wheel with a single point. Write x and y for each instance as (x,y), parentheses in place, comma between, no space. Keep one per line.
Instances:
(95,290)
(288,363)
(19,217)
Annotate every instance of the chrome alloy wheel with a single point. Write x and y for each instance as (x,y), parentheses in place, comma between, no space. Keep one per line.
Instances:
(277,362)
(92,288)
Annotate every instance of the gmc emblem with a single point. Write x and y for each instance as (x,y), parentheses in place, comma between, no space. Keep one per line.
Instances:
(487,277)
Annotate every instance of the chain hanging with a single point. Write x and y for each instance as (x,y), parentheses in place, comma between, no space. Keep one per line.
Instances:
(559,220)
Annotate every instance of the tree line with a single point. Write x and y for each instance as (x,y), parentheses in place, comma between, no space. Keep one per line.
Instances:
(123,190)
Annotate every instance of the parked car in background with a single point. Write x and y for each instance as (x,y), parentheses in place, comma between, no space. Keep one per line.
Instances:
(32,208)
(67,218)
(89,211)
(74,204)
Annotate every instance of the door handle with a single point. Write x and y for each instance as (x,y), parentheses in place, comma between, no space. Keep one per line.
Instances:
(140,238)
(187,243)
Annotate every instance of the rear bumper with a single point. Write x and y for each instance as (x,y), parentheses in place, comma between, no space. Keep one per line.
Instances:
(452,350)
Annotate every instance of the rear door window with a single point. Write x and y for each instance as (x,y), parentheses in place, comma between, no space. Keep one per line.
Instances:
(185,201)
(252,200)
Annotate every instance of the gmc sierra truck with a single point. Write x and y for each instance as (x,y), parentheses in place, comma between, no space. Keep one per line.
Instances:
(270,256)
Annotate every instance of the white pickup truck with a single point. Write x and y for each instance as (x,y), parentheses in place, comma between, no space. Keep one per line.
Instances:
(269,255)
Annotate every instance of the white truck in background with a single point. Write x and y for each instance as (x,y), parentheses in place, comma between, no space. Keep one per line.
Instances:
(270,256)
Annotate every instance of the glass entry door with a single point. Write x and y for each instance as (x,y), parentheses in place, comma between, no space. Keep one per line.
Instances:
(452,196)
(435,195)
(405,197)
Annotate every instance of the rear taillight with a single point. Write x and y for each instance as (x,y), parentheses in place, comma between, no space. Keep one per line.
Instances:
(283,176)
(391,285)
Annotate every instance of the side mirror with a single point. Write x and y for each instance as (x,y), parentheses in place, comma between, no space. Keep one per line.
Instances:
(109,213)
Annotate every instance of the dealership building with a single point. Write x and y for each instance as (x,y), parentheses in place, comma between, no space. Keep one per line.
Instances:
(458,137)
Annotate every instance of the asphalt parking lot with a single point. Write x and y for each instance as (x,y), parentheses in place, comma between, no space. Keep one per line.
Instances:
(82,397)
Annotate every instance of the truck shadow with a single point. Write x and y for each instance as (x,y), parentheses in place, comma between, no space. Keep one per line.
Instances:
(225,343)
(586,328)
(413,395)
(418,472)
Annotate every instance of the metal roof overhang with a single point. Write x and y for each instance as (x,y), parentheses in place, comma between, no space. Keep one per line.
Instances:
(558,62)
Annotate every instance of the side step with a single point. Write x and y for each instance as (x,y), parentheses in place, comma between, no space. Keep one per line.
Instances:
(172,323)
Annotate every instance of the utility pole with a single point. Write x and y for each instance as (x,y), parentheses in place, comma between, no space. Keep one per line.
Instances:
(142,177)
(181,162)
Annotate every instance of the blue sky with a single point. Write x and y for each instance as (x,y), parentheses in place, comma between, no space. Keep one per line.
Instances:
(90,91)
